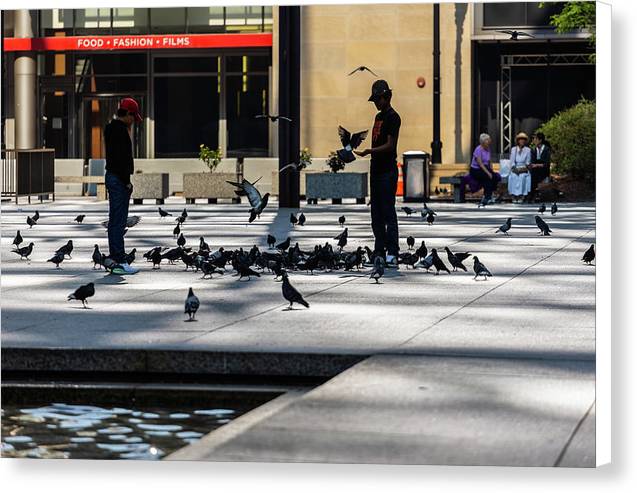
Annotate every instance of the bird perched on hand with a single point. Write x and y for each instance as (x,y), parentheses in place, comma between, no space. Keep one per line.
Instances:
(480,269)
(293,219)
(163,213)
(31,222)
(302,219)
(542,209)
(431,218)
(80,218)
(290,293)
(257,202)
(505,227)
(438,263)
(379,269)
(411,241)
(24,252)
(341,221)
(97,257)
(82,293)
(362,68)
(66,249)
(271,241)
(407,210)
(181,241)
(191,306)
(18,239)
(350,142)
(554,209)
(589,255)
(342,239)
(456,259)
(284,245)
(57,259)
(544,228)
(274,118)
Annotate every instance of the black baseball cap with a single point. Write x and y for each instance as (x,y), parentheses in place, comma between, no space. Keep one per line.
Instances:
(379,88)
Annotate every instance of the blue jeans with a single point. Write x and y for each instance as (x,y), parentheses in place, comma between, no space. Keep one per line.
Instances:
(383,204)
(118,200)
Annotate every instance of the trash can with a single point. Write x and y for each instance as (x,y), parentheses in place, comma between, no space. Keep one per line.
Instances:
(415,176)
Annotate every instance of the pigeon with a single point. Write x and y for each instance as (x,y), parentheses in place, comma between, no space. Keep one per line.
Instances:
(408,259)
(427,209)
(180,220)
(66,249)
(456,259)
(350,142)
(184,213)
(18,239)
(245,271)
(515,34)
(410,242)
(156,257)
(407,210)
(589,255)
(36,216)
(294,166)
(430,218)
(257,201)
(290,293)
(97,257)
(293,219)
(362,68)
(341,221)
(181,241)
(209,269)
(80,218)
(379,269)
(57,259)
(274,118)
(436,191)
(422,250)
(302,219)
(31,222)
(542,209)
(505,227)
(284,245)
(480,269)
(130,221)
(191,306)
(203,246)
(428,261)
(553,208)
(82,293)
(176,231)
(129,257)
(438,263)
(544,228)
(163,213)
(271,241)
(342,239)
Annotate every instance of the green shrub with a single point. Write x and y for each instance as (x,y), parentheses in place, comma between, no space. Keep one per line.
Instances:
(571,134)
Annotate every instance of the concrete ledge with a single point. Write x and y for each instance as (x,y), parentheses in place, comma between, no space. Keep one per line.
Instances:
(176,362)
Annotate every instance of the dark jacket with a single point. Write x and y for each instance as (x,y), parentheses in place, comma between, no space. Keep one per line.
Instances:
(539,174)
(119,150)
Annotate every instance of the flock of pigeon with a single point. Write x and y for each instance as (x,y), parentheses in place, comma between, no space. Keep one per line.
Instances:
(280,257)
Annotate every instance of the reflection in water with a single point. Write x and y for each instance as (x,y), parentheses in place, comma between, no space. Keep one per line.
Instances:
(67,431)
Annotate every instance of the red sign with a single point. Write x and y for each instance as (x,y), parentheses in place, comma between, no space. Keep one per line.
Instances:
(137,42)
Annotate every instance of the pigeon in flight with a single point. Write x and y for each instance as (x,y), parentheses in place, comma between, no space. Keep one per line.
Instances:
(31,222)
(302,219)
(274,118)
(271,241)
(130,221)
(294,166)
(57,259)
(82,293)
(341,221)
(24,252)
(97,257)
(350,142)
(456,259)
(293,219)
(191,306)
(542,209)
(80,218)
(411,241)
(589,255)
(554,209)
(480,269)
(66,249)
(407,210)
(163,213)
(379,269)
(505,227)
(362,68)
(544,228)
(290,293)
(18,239)
(257,201)
(515,34)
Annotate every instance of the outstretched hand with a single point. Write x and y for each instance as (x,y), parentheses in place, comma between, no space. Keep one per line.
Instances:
(363,153)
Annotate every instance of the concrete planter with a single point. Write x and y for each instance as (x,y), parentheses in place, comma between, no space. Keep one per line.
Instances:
(149,186)
(336,186)
(211,186)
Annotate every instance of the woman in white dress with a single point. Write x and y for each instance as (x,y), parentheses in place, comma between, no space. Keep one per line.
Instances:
(520,177)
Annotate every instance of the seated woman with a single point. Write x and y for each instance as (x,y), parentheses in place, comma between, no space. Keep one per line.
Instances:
(481,170)
(540,162)
(520,177)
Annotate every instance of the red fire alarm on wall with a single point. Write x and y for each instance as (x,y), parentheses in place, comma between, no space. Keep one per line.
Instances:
(420,82)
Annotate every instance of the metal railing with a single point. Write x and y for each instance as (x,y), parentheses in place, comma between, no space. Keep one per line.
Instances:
(28,172)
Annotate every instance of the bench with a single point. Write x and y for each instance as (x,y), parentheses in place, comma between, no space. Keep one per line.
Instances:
(459,185)
(97,180)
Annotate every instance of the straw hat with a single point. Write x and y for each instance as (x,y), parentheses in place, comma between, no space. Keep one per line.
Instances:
(521,135)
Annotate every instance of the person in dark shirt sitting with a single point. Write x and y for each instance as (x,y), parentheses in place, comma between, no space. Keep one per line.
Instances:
(540,162)
(119,168)
(384,173)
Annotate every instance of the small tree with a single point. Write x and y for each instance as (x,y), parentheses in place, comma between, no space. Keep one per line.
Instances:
(335,163)
(576,15)
(209,157)
(571,134)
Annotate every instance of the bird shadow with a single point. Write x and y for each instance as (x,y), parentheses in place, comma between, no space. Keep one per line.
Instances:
(191,320)
(81,308)
(113,279)
(291,309)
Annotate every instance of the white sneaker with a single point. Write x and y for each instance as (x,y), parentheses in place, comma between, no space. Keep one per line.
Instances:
(124,268)
(391,262)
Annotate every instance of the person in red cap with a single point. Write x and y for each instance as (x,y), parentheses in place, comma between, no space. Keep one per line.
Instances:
(119,168)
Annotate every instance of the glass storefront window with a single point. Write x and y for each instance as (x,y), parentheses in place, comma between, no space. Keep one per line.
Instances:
(247,96)
(92,21)
(205,19)
(130,21)
(168,20)
(247,63)
(520,14)
(168,64)
(56,20)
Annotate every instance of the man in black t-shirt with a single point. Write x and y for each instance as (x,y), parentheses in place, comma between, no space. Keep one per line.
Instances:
(384,173)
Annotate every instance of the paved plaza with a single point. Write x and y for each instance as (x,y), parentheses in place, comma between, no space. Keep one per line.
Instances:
(441,369)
